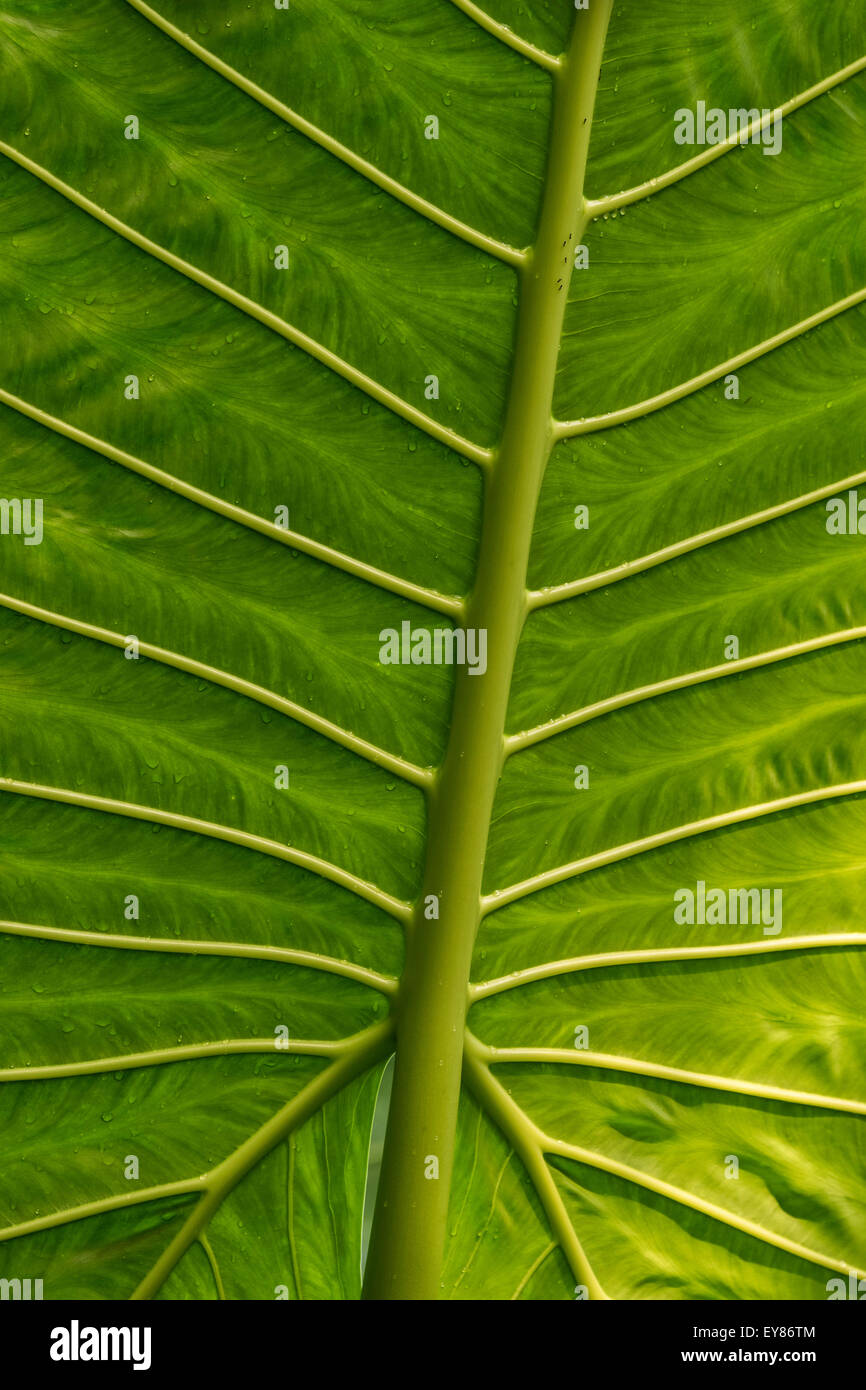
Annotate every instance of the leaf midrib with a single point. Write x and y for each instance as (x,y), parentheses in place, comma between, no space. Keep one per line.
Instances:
(409,1229)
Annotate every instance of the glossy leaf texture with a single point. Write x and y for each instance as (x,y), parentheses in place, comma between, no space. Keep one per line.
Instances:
(261,320)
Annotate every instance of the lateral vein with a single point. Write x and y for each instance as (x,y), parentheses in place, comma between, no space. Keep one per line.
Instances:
(557,593)
(233,950)
(592,423)
(289,332)
(636,1066)
(336,559)
(369,1047)
(508,36)
(214,1265)
(524,1137)
(479,1236)
(419,777)
(212,1187)
(510,254)
(528,737)
(185,1187)
(532,1270)
(611,203)
(161,1056)
(495,900)
(605,959)
(398,909)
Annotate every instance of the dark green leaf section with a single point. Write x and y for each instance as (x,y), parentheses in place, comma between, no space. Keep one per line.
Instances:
(546,23)
(98,1257)
(157,738)
(721,261)
(397,67)
(192,1278)
(84,310)
(661,58)
(62,1004)
(291,1229)
(230,413)
(59,875)
(221,182)
(707,462)
(237,602)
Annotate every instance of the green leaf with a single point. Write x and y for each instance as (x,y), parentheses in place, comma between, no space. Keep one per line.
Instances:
(339,320)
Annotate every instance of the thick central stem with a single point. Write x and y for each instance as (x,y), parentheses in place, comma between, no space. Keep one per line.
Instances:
(408,1239)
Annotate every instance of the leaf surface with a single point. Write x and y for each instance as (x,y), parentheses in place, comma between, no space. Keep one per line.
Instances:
(244,860)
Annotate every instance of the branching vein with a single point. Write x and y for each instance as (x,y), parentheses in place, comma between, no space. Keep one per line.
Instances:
(234,950)
(214,1265)
(160,1056)
(592,423)
(186,1187)
(508,36)
(212,1188)
(370,1047)
(377,896)
(557,593)
(293,335)
(524,1138)
(419,777)
(528,737)
(553,969)
(666,837)
(532,1143)
(533,1270)
(690,1199)
(510,254)
(599,206)
(442,603)
(636,1066)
